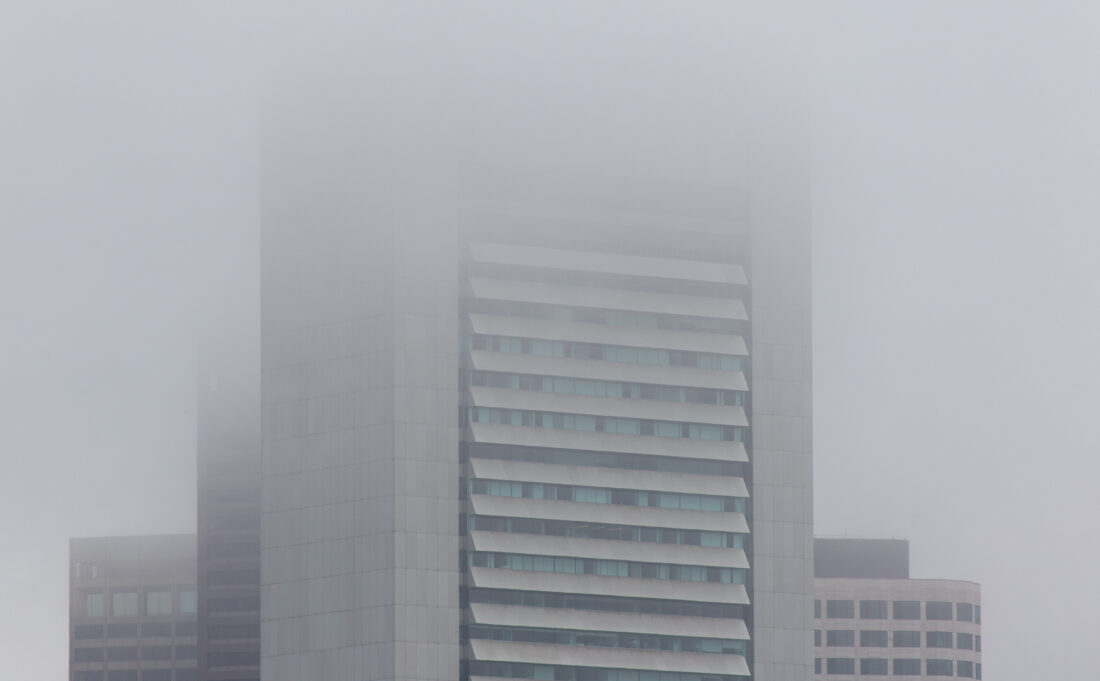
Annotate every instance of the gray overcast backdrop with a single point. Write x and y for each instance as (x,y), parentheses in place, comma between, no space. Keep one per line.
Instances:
(955,167)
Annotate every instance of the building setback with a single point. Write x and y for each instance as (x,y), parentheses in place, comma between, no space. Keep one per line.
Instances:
(132,608)
(521,429)
(871,619)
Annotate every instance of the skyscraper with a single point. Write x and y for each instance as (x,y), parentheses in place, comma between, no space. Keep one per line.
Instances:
(523,428)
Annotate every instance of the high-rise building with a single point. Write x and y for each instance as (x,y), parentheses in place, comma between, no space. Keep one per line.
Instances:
(872,619)
(531,429)
(132,608)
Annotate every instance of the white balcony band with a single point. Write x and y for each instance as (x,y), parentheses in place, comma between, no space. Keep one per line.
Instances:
(596,620)
(615,658)
(610,263)
(526,436)
(600,370)
(611,514)
(598,585)
(612,478)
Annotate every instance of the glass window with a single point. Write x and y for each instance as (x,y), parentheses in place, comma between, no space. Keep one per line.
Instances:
(817,637)
(978,620)
(87,654)
(94,605)
(907,639)
(156,675)
(965,668)
(840,609)
(158,603)
(876,666)
(186,675)
(904,666)
(817,665)
(964,641)
(840,665)
(122,630)
(156,652)
(940,668)
(964,612)
(124,603)
(189,601)
(907,610)
(872,610)
(156,629)
(938,639)
(185,628)
(126,654)
(873,639)
(977,670)
(186,652)
(87,676)
(122,675)
(939,610)
(840,638)
(978,643)
(817,608)
(86,631)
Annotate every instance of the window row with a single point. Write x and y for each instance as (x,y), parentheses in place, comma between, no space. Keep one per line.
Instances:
(649,606)
(902,639)
(595,388)
(606,639)
(83,632)
(133,675)
(590,530)
(605,424)
(573,457)
(128,603)
(880,666)
(546,672)
(591,315)
(607,568)
(130,653)
(609,353)
(605,495)
(902,610)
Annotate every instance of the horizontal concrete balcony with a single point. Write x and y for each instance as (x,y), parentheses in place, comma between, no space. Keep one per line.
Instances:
(607,549)
(599,585)
(610,263)
(611,514)
(612,478)
(613,658)
(527,436)
(660,339)
(595,620)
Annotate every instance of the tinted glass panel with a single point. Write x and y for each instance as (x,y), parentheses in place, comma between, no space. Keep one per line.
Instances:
(878,666)
(938,639)
(840,609)
(185,628)
(840,665)
(964,641)
(156,675)
(907,610)
(86,631)
(874,639)
(156,652)
(872,610)
(88,655)
(122,654)
(940,668)
(965,668)
(123,675)
(122,630)
(906,667)
(907,639)
(87,676)
(840,637)
(939,610)
(964,612)
(156,629)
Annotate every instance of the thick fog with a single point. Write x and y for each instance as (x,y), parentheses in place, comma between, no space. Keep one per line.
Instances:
(952,152)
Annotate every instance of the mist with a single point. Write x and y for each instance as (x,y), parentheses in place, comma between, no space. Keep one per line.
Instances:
(950,148)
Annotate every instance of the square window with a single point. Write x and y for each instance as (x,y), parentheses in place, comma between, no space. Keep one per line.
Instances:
(94,605)
(158,603)
(124,603)
(964,612)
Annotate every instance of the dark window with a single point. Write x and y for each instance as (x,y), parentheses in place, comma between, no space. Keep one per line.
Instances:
(840,609)
(874,666)
(938,639)
(85,631)
(238,604)
(977,670)
(122,630)
(87,676)
(122,654)
(872,610)
(817,662)
(904,666)
(907,639)
(156,652)
(978,643)
(233,659)
(817,608)
(156,675)
(965,668)
(840,665)
(965,612)
(874,639)
(940,668)
(978,620)
(840,637)
(964,641)
(185,628)
(817,637)
(123,675)
(185,652)
(939,610)
(156,629)
(907,610)
(186,675)
(224,631)
(88,655)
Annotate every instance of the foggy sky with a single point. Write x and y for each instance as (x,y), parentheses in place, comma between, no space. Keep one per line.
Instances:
(954,163)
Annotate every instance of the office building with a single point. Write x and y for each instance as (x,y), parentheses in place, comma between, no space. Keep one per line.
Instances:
(132,608)
(516,428)
(872,619)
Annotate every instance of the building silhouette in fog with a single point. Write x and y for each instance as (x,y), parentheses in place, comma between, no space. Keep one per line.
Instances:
(132,608)
(518,428)
(872,619)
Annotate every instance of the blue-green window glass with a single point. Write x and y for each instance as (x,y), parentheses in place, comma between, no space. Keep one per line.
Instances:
(964,641)
(874,638)
(607,639)
(940,667)
(965,669)
(840,665)
(907,639)
(874,666)
(840,609)
(939,610)
(844,638)
(965,612)
(906,666)
(939,639)
(609,568)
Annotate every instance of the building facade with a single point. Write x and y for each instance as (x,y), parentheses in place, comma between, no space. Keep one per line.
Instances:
(516,432)
(882,623)
(132,608)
